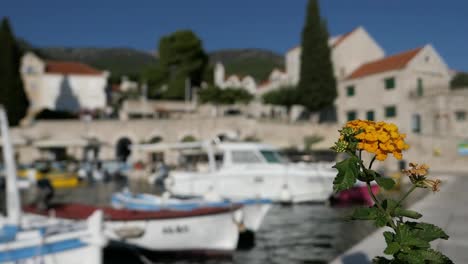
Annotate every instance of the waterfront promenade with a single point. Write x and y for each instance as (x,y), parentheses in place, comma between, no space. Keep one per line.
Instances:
(447,209)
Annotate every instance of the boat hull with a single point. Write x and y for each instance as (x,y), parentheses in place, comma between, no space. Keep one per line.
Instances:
(248,185)
(202,233)
(204,229)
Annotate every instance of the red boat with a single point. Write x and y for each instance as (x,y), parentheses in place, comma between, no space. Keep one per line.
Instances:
(356,195)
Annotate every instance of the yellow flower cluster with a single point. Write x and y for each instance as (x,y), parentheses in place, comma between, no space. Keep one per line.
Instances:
(379,138)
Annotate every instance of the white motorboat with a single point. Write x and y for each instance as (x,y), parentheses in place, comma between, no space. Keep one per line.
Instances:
(24,239)
(207,229)
(253,210)
(247,170)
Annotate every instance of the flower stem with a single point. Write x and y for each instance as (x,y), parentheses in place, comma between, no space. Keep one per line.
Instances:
(372,162)
(407,194)
(377,202)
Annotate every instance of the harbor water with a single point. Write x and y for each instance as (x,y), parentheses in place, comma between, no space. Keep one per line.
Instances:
(301,233)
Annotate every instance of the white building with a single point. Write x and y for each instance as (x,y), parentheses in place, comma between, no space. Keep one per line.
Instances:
(387,88)
(62,85)
(233,81)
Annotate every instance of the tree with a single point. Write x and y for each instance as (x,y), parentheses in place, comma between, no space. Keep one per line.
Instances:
(227,96)
(12,95)
(181,57)
(317,84)
(459,81)
(285,96)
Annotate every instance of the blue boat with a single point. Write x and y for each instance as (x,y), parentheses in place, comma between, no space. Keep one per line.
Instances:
(251,217)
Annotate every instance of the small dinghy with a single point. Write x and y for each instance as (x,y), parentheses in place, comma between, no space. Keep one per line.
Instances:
(207,229)
(27,239)
(252,213)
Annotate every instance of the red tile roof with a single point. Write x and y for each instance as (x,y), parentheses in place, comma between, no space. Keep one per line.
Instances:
(69,67)
(394,62)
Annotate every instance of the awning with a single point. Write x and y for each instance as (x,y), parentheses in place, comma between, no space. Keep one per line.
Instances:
(57,143)
(159,147)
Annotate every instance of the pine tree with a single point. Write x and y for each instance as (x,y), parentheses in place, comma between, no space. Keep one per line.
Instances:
(181,57)
(317,84)
(12,95)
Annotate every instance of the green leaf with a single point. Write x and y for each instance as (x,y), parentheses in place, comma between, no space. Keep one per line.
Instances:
(348,171)
(427,232)
(386,183)
(392,248)
(423,256)
(381,219)
(406,213)
(406,236)
(433,256)
(365,213)
(389,237)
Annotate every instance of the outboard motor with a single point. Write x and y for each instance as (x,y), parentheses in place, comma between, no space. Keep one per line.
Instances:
(44,195)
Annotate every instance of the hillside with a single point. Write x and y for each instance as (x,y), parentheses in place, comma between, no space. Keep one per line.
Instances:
(126,61)
(119,61)
(256,62)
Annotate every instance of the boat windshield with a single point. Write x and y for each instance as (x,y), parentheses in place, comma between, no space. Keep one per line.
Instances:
(272,156)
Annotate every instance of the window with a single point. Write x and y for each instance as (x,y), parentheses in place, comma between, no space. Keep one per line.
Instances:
(390,83)
(370,115)
(351,115)
(350,91)
(271,156)
(460,115)
(416,123)
(390,111)
(420,90)
(242,157)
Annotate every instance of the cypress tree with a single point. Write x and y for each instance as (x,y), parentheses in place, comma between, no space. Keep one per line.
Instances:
(317,84)
(12,95)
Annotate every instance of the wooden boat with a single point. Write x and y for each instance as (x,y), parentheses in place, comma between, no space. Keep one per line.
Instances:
(207,229)
(25,239)
(253,210)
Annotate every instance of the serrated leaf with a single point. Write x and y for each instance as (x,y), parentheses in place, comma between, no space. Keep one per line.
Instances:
(348,171)
(369,213)
(392,248)
(409,258)
(427,232)
(389,237)
(386,183)
(424,256)
(433,256)
(407,237)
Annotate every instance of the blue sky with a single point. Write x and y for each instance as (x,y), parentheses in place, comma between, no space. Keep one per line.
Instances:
(397,25)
